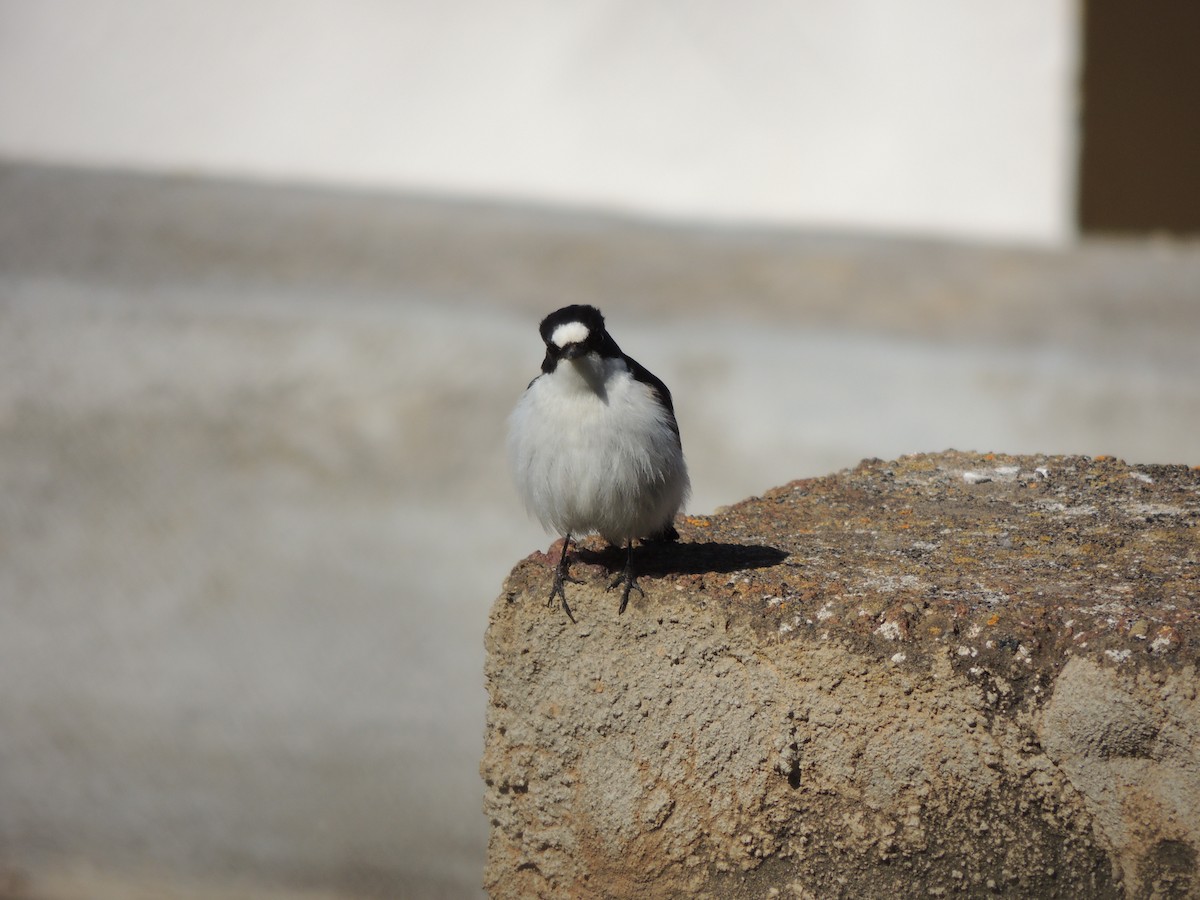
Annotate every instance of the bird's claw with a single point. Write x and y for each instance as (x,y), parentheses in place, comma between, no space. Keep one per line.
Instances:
(556,591)
(630,582)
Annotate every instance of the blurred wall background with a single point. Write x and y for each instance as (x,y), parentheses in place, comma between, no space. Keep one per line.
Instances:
(270,274)
(932,116)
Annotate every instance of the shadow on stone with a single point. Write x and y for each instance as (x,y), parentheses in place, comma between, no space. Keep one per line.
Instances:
(659,558)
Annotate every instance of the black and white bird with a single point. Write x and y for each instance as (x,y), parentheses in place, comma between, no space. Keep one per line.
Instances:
(594,445)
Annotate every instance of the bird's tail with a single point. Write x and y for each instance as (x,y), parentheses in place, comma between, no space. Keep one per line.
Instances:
(664,534)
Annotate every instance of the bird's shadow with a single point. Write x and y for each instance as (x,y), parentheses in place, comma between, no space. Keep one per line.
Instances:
(659,558)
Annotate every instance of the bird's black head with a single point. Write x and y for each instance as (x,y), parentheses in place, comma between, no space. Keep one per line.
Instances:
(573,332)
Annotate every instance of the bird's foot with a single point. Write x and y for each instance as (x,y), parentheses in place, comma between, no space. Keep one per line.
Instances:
(628,579)
(562,577)
(557,591)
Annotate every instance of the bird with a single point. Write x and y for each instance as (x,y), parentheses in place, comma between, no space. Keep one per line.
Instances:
(594,446)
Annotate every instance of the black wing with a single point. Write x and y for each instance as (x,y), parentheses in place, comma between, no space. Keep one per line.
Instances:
(661,392)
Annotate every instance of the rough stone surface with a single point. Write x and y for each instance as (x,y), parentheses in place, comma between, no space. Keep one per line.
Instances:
(945,674)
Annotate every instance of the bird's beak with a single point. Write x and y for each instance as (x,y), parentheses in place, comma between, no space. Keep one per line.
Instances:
(574,351)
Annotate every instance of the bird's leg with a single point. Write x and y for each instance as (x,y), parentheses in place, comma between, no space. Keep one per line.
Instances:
(560,577)
(628,579)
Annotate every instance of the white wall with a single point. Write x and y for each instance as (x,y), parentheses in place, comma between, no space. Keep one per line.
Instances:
(937,116)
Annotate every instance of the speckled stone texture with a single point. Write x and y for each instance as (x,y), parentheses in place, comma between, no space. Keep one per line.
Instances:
(945,674)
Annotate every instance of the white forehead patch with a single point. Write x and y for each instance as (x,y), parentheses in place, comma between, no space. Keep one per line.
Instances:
(569,333)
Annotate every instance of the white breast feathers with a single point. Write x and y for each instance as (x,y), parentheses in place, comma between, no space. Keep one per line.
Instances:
(593,450)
